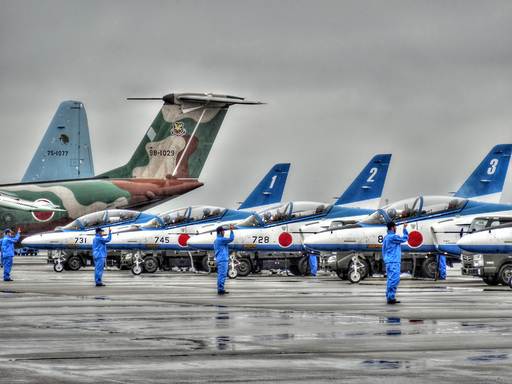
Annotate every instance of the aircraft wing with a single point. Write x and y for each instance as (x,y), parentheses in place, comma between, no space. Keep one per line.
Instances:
(10,201)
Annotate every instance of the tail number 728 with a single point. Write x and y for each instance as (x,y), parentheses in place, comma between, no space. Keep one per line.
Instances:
(260,240)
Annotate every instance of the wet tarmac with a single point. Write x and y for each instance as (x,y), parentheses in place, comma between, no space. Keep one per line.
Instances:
(173,327)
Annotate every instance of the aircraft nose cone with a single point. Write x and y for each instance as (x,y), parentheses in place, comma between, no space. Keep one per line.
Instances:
(315,241)
(204,242)
(468,242)
(29,241)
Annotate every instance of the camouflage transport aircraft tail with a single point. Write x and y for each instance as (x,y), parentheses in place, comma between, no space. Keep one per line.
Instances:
(166,164)
(65,150)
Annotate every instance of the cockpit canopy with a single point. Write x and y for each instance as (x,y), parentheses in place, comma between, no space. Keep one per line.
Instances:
(414,208)
(284,212)
(185,215)
(101,218)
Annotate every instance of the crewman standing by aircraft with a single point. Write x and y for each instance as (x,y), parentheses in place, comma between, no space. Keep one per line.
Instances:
(8,252)
(392,255)
(99,251)
(222,257)
(313,263)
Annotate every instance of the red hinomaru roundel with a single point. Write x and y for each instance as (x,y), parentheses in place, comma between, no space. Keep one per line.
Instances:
(182,240)
(415,239)
(43,216)
(285,239)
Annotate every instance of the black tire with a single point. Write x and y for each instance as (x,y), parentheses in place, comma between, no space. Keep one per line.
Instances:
(505,274)
(136,269)
(304,265)
(58,267)
(150,264)
(341,275)
(430,268)
(74,263)
(244,267)
(491,280)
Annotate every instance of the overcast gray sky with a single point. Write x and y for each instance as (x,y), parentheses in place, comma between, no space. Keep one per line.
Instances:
(428,81)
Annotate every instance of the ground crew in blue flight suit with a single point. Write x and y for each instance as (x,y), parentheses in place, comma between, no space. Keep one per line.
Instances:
(222,257)
(99,251)
(313,263)
(392,255)
(442,267)
(8,252)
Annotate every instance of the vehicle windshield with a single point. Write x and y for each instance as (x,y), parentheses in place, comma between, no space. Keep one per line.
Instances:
(477,225)
(481,223)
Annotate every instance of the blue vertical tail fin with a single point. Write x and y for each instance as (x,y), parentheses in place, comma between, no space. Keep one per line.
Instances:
(366,190)
(65,150)
(270,189)
(486,181)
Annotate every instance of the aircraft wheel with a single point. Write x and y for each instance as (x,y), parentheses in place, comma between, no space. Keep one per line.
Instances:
(491,280)
(510,283)
(74,263)
(430,268)
(354,276)
(58,267)
(341,275)
(244,267)
(232,273)
(150,264)
(505,274)
(204,264)
(136,269)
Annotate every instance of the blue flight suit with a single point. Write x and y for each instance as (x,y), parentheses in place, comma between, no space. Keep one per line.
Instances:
(442,266)
(8,254)
(220,246)
(99,251)
(313,264)
(392,255)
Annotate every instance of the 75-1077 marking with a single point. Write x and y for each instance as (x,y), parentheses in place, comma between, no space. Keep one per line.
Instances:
(57,153)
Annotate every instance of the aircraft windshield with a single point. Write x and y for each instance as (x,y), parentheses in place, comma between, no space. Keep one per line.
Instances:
(304,209)
(415,207)
(251,221)
(203,212)
(276,214)
(153,224)
(375,218)
(176,216)
(120,215)
(88,221)
(439,204)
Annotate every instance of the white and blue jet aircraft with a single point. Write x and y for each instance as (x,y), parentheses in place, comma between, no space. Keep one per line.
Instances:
(435,223)
(167,231)
(283,227)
